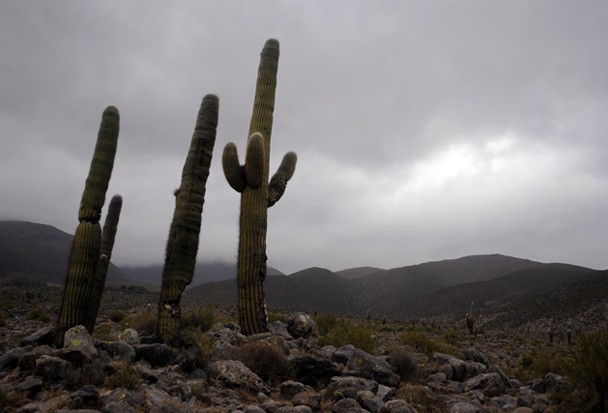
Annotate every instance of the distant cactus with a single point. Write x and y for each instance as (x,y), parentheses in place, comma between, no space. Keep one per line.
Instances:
(470,321)
(86,245)
(110,227)
(257,194)
(182,244)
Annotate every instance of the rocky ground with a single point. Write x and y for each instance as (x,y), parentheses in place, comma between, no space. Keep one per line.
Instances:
(289,371)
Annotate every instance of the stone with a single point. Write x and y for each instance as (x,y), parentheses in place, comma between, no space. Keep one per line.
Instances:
(397,406)
(78,337)
(290,388)
(129,336)
(157,354)
(464,407)
(253,409)
(10,358)
(348,387)
(116,351)
(235,374)
(347,405)
(312,370)
(362,364)
(41,337)
(31,385)
(300,325)
(52,368)
(308,398)
(369,401)
(302,409)
(491,384)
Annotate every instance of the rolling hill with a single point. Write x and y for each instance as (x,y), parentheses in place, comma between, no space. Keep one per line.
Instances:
(33,253)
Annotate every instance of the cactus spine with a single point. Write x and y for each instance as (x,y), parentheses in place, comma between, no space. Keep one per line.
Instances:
(182,245)
(257,194)
(108,236)
(86,245)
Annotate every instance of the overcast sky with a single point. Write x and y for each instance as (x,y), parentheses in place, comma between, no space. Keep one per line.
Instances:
(424,130)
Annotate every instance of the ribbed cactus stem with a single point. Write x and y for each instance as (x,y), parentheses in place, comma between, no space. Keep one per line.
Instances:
(108,237)
(251,180)
(86,245)
(182,245)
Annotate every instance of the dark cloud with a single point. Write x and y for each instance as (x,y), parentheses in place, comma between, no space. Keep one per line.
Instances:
(425,130)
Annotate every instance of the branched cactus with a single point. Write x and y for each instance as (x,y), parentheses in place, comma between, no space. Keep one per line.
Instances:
(257,194)
(108,236)
(182,245)
(86,245)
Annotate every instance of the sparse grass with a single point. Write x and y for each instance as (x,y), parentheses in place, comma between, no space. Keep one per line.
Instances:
(125,376)
(39,314)
(85,375)
(422,343)
(538,363)
(116,315)
(325,322)
(199,317)
(143,322)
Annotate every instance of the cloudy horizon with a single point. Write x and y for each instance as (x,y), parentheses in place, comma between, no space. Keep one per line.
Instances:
(425,130)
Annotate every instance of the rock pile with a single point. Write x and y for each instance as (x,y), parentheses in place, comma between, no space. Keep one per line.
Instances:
(131,376)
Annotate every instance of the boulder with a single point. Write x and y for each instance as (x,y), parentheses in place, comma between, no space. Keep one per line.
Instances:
(300,325)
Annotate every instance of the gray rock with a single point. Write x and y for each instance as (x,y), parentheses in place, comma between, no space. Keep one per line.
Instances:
(121,401)
(553,381)
(348,387)
(235,374)
(347,405)
(79,338)
(312,370)
(41,337)
(253,409)
(10,358)
(457,366)
(397,406)
(157,354)
(302,409)
(464,407)
(52,368)
(385,392)
(300,325)
(129,336)
(477,356)
(31,385)
(491,384)
(290,388)
(362,364)
(369,401)
(115,350)
(308,398)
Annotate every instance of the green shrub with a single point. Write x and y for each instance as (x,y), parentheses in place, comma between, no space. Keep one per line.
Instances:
(325,322)
(589,373)
(402,363)
(144,323)
(344,332)
(199,317)
(39,314)
(538,363)
(116,315)
(265,360)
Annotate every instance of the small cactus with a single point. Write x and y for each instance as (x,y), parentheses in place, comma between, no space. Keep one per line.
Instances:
(182,245)
(257,194)
(86,245)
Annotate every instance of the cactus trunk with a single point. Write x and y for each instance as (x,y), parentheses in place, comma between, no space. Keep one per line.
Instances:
(182,245)
(251,180)
(86,245)
(108,236)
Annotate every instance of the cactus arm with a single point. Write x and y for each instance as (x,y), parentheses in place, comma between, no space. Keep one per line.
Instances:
(254,162)
(108,236)
(86,245)
(233,171)
(278,182)
(182,245)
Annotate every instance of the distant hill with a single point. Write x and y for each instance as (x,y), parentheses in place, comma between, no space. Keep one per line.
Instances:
(357,272)
(33,253)
(204,272)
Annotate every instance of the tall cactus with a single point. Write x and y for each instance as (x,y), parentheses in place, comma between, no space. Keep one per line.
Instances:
(257,194)
(182,244)
(86,245)
(108,236)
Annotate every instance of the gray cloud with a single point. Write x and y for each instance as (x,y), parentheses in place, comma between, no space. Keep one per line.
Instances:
(425,130)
